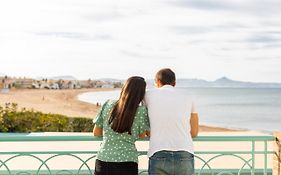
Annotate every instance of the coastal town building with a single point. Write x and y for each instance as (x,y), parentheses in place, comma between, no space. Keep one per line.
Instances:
(86,83)
(44,85)
(24,83)
(29,83)
(1,84)
(107,86)
(54,86)
(6,82)
(73,84)
(99,84)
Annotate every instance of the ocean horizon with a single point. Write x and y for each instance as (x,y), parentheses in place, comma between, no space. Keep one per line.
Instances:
(234,108)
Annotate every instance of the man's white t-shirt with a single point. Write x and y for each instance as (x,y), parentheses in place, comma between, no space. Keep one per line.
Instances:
(169,112)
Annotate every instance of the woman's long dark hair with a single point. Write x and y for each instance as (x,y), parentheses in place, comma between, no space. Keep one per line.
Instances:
(123,114)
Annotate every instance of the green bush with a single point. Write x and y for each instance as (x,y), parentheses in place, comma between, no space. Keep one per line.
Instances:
(14,120)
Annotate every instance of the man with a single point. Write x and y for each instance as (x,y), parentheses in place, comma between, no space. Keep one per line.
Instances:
(173,123)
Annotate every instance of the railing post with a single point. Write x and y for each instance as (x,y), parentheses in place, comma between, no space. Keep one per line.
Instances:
(253,158)
(276,170)
(265,158)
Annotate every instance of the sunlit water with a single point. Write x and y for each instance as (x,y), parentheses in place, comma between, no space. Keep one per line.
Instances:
(240,108)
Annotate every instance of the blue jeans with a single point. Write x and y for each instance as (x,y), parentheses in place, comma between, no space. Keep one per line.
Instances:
(171,163)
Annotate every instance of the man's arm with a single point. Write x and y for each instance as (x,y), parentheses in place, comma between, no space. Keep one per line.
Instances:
(194,124)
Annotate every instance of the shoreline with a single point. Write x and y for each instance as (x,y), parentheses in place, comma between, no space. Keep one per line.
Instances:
(66,102)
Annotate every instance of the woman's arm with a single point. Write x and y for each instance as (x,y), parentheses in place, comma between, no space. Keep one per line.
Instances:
(144,134)
(97,131)
(194,124)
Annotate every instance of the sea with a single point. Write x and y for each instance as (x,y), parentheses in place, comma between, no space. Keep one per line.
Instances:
(234,108)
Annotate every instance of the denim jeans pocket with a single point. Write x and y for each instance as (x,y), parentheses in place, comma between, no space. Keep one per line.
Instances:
(187,156)
(186,166)
(160,158)
(156,165)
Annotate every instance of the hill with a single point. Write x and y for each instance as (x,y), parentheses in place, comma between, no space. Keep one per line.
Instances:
(224,82)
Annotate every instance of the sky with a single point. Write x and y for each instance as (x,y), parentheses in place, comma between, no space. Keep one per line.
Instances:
(204,39)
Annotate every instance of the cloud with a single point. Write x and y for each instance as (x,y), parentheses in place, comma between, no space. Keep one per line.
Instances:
(204,4)
(260,58)
(204,29)
(263,39)
(272,46)
(142,55)
(75,35)
(90,35)
(191,29)
(104,17)
(256,7)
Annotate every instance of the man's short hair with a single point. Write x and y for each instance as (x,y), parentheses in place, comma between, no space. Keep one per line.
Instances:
(166,76)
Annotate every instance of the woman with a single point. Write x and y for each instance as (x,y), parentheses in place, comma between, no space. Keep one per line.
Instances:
(121,123)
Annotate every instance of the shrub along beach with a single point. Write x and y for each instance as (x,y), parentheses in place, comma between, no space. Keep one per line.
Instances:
(14,120)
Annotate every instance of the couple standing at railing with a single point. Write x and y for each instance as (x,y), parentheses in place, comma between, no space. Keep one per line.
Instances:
(167,116)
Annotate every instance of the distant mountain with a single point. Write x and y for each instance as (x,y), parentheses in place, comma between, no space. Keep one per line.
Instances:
(64,77)
(184,83)
(192,83)
(2,74)
(225,83)
(112,80)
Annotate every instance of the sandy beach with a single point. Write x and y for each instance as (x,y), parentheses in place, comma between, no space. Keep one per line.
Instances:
(64,102)
(52,101)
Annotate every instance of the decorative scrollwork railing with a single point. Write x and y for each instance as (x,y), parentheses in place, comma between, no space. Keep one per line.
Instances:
(44,161)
